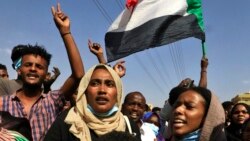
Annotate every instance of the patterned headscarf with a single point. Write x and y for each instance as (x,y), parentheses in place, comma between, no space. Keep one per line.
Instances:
(10,135)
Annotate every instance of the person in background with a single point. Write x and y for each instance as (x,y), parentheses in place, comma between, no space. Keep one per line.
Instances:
(8,87)
(30,102)
(156,110)
(238,117)
(134,106)
(10,135)
(153,121)
(197,115)
(97,111)
(3,72)
(14,127)
(147,109)
(227,106)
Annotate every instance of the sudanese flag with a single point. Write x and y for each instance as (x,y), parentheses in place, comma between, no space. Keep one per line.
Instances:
(145,24)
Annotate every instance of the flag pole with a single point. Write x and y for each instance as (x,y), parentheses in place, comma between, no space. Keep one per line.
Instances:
(203,49)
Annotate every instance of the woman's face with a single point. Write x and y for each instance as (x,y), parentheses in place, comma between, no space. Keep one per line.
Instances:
(154,120)
(240,114)
(101,92)
(188,113)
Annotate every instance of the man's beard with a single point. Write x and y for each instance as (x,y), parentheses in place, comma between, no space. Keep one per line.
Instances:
(34,87)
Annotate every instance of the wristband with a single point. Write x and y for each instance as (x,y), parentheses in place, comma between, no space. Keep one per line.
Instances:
(65,34)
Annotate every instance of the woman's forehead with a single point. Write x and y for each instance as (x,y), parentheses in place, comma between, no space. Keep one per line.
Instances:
(192,95)
(101,73)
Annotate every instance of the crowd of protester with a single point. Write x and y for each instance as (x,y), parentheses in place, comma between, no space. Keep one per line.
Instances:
(89,106)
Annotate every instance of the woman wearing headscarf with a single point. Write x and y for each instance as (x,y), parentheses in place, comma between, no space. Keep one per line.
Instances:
(238,117)
(197,115)
(153,121)
(14,128)
(10,135)
(97,111)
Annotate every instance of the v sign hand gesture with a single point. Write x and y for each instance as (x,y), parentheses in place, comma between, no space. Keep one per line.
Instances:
(61,20)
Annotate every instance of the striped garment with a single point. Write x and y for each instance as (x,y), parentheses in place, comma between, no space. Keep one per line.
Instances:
(9,135)
(42,113)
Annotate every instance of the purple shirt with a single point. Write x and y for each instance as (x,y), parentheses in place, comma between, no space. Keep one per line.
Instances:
(42,113)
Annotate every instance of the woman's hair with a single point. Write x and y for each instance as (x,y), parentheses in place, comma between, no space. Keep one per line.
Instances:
(100,67)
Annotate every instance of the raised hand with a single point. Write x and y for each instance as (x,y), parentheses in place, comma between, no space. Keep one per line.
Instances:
(204,63)
(120,68)
(50,79)
(61,20)
(203,76)
(97,50)
(56,72)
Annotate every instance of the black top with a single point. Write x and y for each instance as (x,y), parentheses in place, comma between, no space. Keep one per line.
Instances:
(20,125)
(59,130)
(234,132)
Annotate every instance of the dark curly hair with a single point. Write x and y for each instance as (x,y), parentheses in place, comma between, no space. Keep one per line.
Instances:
(21,50)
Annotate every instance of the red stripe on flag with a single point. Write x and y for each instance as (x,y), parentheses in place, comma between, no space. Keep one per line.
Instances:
(131,3)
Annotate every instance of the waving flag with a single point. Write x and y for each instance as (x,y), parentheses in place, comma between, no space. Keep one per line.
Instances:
(151,23)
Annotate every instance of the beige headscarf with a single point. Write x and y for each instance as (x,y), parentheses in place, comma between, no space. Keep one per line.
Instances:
(82,119)
(213,127)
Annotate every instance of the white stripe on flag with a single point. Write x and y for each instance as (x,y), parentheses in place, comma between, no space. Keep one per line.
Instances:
(147,10)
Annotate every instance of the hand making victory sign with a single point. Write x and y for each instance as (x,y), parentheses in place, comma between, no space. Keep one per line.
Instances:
(61,20)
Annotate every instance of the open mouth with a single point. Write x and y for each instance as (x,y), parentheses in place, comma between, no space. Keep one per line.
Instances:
(178,122)
(32,76)
(133,115)
(101,100)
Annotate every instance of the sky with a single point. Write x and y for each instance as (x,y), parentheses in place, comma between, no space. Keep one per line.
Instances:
(154,71)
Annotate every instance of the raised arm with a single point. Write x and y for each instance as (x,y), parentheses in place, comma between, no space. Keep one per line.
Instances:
(63,24)
(97,50)
(203,77)
(50,79)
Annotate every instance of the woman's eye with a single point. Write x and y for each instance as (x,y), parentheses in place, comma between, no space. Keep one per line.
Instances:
(110,83)
(94,83)
(238,112)
(189,106)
